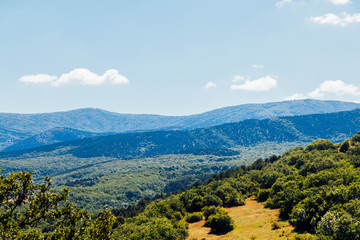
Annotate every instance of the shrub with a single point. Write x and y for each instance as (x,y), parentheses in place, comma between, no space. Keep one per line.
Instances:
(344,147)
(212,210)
(220,223)
(212,200)
(194,217)
(196,204)
(338,226)
(263,195)
(320,144)
(356,137)
(275,225)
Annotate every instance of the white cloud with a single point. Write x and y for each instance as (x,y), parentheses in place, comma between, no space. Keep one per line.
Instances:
(38,78)
(296,96)
(281,4)
(78,76)
(340,2)
(257,66)
(336,87)
(210,85)
(262,84)
(333,19)
(238,78)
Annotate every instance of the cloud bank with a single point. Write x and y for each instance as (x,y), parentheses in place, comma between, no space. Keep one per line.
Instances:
(340,2)
(78,76)
(333,19)
(257,66)
(282,3)
(336,87)
(262,84)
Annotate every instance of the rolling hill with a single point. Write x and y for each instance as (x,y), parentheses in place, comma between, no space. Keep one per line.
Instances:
(17,127)
(217,140)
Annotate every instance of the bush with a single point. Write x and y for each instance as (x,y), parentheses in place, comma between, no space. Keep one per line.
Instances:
(263,195)
(338,226)
(194,217)
(320,144)
(344,147)
(195,204)
(275,225)
(356,137)
(212,210)
(220,223)
(212,200)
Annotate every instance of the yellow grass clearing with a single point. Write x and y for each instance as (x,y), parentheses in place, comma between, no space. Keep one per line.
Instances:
(252,221)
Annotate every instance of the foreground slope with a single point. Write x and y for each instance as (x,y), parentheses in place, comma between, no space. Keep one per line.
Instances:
(315,188)
(15,127)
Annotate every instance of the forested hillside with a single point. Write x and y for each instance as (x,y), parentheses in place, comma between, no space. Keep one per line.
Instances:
(218,140)
(316,189)
(52,136)
(15,127)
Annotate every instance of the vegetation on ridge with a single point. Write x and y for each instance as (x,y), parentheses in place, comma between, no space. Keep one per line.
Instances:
(316,188)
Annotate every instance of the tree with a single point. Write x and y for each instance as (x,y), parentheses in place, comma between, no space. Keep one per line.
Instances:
(220,222)
(356,137)
(320,144)
(23,205)
(345,146)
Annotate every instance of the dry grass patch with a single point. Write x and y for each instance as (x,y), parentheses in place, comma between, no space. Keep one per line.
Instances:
(252,221)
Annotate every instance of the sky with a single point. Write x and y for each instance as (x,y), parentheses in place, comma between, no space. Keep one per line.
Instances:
(175,57)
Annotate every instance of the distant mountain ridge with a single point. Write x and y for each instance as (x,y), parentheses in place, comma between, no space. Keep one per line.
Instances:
(217,140)
(15,127)
(52,136)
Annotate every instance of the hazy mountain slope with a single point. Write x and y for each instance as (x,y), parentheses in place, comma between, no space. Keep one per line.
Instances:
(96,120)
(267,110)
(215,140)
(52,136)
(8,137)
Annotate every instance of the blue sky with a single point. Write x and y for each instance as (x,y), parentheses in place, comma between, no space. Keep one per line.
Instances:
(175,57)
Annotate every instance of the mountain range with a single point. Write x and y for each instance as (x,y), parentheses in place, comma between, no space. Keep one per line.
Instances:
(217,140)
(21,131)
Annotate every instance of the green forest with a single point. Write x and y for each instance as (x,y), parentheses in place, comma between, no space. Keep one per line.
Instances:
(316,188)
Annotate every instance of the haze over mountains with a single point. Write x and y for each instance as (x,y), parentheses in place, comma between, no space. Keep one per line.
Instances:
(217,140)
(14,128)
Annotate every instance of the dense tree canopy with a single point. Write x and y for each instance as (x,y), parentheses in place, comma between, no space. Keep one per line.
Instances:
(30,211)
